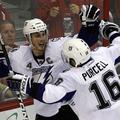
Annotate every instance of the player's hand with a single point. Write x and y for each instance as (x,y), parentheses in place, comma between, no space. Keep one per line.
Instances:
(13,83)
(20,83)
(54,11)
(74,8)
(89,15)
(107,28)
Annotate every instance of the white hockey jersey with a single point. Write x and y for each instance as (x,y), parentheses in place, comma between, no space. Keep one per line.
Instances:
(22,61)
(96,86)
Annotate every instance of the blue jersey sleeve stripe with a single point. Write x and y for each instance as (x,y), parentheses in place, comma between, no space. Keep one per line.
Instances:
(117,60)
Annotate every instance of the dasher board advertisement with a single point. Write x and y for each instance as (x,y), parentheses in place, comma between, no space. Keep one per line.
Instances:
(16,114)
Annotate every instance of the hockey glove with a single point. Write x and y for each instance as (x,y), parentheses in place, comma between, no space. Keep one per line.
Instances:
(89,15)
(108,29)
(20,83)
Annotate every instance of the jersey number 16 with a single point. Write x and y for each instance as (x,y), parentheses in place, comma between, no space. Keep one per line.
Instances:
(113,89)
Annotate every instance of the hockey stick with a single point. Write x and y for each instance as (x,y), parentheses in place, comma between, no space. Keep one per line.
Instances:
(19,96)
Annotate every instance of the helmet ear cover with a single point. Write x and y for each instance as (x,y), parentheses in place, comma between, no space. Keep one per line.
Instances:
(72,62)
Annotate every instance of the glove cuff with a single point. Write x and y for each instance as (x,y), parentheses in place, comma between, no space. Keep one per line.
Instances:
(107,29)
(25,85)
(113,35)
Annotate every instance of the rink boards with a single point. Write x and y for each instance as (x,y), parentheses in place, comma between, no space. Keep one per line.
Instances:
(10,110)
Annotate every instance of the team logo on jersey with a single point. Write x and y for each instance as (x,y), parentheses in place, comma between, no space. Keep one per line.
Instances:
(42,74)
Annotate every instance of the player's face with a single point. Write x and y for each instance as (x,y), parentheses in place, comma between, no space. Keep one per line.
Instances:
(8,33)
(39,41)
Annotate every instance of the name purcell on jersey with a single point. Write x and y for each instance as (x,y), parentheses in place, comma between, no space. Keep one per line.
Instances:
(94,70)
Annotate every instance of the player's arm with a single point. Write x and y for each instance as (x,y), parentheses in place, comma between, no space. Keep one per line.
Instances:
(63,90)
(89,16)
(111,31)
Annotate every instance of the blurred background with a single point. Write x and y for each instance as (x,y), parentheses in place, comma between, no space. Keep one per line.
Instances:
(20,10)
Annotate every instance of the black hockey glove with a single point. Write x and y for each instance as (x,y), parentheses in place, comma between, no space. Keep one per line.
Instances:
(109,30)
(20,83)
(89,15)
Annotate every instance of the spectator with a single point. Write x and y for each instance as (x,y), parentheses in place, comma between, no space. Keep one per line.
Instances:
(115,10)
(4,14)
(60,15)
(8,32)
(5,92)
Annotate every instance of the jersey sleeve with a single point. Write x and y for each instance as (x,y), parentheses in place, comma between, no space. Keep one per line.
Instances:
(54,47)
(114,48)
(63,90)
(17,60)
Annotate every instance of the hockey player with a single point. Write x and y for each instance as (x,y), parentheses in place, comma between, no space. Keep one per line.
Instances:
(91,86)
(33,59)
(43,57)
